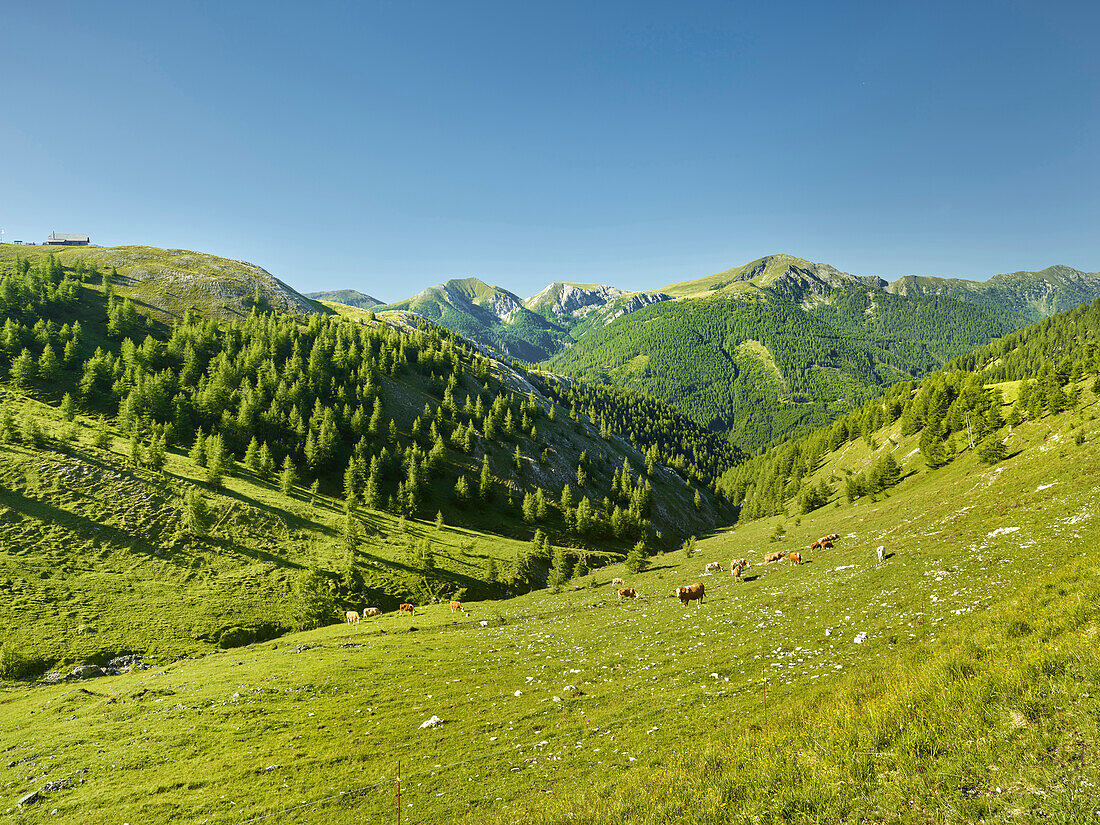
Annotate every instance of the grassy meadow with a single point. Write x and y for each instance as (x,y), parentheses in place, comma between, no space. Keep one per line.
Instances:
(954,682)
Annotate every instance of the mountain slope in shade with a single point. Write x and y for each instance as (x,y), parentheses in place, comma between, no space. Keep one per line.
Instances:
(1031,295)
(350,297)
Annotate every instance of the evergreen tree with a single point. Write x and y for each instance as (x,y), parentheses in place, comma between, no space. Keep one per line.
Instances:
(252,456)
(485,481)
(637,560)
(462,490)
(68,407)
(218,460)
(559,568)
(23,370)
(196,513)
(991,450)
(288,477)
(315,603)
(49,368)
(198,449)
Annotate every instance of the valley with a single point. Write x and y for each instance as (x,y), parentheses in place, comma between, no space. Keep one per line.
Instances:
(188,508)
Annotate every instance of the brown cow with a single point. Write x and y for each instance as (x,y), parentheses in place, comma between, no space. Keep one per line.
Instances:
(407,608)
(618,583)
(628,593)
(776,556)
(737,567)
(351,617)
(713,567)
(816,545)
(795,558)
(826,544)
(456,607)
(690,594)
(371,611)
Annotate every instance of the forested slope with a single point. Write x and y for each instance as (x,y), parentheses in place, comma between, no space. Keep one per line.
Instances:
(349,449)
(961,407)
(761,368)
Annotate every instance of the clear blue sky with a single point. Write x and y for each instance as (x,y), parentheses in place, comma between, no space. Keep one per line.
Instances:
(389,146)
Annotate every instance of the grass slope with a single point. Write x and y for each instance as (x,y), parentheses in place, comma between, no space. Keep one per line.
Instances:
(168,282)
(972,694)
(351,297)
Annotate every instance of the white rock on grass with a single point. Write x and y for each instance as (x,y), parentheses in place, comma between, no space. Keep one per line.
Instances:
(434,722)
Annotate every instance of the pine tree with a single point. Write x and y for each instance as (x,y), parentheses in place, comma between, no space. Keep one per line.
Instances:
(485,481)
(102,435)
(23,370)
(68,407)
(266,462)
(566,498)
(462,490)
(198,449)
(48,366)
(559,568)
(218,460)
(252,456)
(196,512)
(288,477)
(637,560)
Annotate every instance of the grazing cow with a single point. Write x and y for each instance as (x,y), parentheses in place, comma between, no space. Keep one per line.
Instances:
(737,567)
(456,607)
(351,617)
(690,594)
(776,556)
(372,611)
(880,551)
(795,558)
(826,544)
(832,537)
(408,608)
(618,583)
(816,545)
(628,593)
(713,567)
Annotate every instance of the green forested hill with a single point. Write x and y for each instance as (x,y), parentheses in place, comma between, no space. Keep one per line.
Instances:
(761,351)
(761,367)
(961,407)
(1031,295)
(488,315)
(377,456)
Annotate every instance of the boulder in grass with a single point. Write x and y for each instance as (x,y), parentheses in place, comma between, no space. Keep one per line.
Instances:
(86,672)
(434,722)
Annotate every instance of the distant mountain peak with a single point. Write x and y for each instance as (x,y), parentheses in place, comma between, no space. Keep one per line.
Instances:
(349,297)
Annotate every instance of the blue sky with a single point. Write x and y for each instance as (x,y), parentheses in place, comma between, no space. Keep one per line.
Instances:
(389,146)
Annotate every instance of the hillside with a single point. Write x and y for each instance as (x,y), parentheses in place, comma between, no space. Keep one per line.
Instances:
(487,315)
(941,683)
(760,367)
(351,297)
(168,282)
(207,468)
(762,351)
(1031,295)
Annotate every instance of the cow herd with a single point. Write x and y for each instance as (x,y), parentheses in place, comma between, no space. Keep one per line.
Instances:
(696,592)
(354,617)
(686,595)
